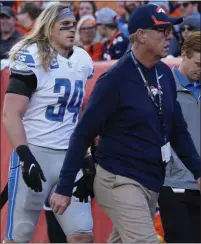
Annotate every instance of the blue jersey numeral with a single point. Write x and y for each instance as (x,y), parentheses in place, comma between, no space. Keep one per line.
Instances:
(74,104)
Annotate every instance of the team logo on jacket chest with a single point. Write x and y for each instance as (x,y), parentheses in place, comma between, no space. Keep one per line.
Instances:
(155,91)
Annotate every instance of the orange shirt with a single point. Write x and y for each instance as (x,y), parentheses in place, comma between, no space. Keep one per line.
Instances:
(23,30)
(176,13)
(95,51)
(16,5)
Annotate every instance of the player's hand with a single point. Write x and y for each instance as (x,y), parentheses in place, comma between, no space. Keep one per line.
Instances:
(31,170)
(59,203)
(84,185)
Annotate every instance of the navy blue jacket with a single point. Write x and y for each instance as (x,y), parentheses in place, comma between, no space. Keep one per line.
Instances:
(120,111)
(116,47)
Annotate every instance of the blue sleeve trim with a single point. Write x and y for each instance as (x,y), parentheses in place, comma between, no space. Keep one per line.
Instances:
(91,75)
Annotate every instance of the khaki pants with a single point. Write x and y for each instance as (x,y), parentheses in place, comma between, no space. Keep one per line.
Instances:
(130,206)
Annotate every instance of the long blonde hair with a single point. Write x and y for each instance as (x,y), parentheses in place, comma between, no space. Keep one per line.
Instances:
(40,34)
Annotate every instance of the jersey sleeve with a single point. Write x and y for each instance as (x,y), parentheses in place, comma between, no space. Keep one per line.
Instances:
(90,68)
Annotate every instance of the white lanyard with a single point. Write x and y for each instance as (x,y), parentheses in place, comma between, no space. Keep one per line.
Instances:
(159,106)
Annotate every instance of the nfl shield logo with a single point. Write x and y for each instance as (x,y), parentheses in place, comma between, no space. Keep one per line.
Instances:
(69,65)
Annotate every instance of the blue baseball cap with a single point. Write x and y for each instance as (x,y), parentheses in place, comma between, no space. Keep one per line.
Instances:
(106,16)
(150,16)
(6,10)
(192,21)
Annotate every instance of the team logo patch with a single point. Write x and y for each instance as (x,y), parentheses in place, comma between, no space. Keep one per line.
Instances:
(160,10)
(54,64)
(25,57)
(155,91)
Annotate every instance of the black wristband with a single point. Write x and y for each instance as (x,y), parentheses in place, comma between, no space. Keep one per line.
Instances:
(23,152)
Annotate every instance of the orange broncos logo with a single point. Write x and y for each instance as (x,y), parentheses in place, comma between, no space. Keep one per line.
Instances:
(158,22)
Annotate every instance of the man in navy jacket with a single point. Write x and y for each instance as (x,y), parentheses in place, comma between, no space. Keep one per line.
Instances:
(134,110)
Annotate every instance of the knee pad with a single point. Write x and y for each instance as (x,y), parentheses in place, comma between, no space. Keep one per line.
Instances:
(82,223)
(23,232)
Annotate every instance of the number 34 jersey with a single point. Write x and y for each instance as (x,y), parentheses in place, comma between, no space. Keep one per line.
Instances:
(53,109)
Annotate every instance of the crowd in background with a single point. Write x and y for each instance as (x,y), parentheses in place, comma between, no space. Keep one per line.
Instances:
(102,27)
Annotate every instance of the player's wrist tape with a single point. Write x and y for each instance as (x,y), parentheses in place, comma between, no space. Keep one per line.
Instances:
(24,152)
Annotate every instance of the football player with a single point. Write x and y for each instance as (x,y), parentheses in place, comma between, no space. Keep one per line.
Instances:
(41,107)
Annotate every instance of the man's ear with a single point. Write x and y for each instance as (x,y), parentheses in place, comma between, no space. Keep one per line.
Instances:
(141,36)
(183,55)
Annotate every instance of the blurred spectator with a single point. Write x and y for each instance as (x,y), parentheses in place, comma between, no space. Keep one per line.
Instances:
(9,34)
(120,8)
(184,9)
(86,35)
(123,20)
(174,48)
(163,4)
(86,8)
(189,9)
(117,43)
(26,16)
(174,9)
(69,4)
(189,25)
(39,4)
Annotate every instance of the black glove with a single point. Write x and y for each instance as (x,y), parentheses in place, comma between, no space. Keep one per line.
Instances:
(85,183)
(31,170)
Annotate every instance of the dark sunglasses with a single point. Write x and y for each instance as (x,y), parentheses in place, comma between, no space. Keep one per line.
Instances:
(184,5)
(188,28)
(4,16)
(166,31)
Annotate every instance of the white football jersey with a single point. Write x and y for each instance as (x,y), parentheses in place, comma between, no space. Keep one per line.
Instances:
(54,107)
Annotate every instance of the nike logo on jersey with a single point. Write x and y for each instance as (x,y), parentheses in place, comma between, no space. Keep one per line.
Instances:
(159,77)
(32,165)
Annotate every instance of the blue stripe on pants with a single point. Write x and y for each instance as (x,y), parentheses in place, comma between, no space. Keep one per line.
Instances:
(12,191)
